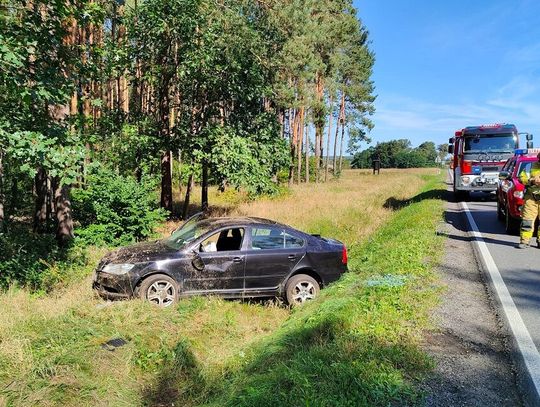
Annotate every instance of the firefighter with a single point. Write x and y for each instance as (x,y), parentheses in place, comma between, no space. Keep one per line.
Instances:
(531,207)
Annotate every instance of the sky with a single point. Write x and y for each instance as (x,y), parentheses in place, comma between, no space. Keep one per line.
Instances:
(444,65)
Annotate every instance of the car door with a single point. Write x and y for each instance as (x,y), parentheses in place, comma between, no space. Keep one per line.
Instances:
(218,264)
(272,253)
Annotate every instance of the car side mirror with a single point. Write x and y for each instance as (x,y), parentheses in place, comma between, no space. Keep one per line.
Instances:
(451,149)
(529,137)
(529,144)
(504,175)
(197,261)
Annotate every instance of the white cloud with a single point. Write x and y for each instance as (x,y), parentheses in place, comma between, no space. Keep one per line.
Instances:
(401,117)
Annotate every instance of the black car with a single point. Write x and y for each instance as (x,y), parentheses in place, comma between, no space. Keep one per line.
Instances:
(230,257)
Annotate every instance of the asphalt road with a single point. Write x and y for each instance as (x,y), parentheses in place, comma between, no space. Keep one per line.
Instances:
(520,269)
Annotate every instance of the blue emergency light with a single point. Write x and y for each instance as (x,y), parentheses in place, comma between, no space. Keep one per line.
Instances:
(521,151)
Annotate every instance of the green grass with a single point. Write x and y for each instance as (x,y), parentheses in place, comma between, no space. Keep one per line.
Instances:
(356,345)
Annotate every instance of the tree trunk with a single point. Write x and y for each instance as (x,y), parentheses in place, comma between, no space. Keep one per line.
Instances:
(300,142)
(189,187)
(204,187)
(293,141)
(341,146)
(64,231)
(166,182)
(40,212)
(339,120)
(328,140)
(180,172)
(318,122)
(307,153)
(2,195)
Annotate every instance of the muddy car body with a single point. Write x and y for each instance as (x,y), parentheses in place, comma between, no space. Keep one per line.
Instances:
(229,257)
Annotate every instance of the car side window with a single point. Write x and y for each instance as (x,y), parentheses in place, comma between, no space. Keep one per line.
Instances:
(293,242)
(266,238)
(525,166)
(224,240)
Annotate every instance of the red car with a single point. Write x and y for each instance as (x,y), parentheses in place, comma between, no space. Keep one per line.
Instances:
(510,190)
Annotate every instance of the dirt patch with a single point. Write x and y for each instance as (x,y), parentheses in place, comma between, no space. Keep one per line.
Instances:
(473,365)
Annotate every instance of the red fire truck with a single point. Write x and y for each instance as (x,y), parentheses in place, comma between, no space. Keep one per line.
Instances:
(479,153)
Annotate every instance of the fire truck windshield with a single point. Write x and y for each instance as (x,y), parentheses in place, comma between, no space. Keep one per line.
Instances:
(496,143)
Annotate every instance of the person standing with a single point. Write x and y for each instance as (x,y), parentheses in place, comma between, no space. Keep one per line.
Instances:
(376,163)
(531,207)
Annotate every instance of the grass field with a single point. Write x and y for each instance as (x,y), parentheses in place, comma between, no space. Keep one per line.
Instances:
(356,345)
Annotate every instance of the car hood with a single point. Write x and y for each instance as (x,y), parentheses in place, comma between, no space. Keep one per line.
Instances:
(140,253)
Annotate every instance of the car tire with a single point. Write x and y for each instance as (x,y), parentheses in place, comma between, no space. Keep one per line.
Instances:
(500,213)
(160,290)
(301,288)
(511,225)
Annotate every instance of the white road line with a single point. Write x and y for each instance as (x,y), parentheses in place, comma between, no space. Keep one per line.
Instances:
(522,337)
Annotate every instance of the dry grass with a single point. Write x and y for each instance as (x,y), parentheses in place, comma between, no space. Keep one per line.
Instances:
(348,209)
(50,346)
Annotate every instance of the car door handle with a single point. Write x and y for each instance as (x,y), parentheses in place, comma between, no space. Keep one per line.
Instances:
(238,259)
(291,257)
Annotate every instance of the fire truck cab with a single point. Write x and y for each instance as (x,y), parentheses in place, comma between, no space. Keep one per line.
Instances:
(479,153)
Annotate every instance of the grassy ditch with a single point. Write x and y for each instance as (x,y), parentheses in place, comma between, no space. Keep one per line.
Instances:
(356,345)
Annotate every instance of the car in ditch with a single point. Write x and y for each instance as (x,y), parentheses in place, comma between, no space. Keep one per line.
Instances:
(242,257)
(510,190)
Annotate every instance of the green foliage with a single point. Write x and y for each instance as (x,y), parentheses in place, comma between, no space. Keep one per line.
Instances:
(60,159)
(397,154)
(114,209)
(35,261)
(248,160)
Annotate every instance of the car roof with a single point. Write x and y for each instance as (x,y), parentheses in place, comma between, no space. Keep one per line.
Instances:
(241,220)
(527,158)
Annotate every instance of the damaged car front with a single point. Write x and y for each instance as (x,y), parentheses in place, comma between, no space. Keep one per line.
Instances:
(120,272)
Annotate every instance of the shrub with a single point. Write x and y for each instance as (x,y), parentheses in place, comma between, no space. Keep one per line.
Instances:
(113,209)
(34,260)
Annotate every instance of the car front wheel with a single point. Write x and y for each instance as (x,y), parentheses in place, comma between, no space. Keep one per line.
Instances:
(301,288)
(160,290)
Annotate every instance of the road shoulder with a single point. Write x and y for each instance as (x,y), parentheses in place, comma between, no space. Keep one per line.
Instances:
(469,347)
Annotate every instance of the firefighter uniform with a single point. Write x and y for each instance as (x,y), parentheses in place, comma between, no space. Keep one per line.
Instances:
(531,207)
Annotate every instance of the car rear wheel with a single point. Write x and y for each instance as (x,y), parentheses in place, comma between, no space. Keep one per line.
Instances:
(160,290)
(500,213)
(301,288)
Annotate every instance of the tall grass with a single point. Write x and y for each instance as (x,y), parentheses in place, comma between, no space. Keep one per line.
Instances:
(356,345)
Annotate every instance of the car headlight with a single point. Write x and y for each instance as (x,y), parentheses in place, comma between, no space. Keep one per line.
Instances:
(118,268)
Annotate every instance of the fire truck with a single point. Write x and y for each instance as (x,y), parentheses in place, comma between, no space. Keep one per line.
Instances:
(479,153)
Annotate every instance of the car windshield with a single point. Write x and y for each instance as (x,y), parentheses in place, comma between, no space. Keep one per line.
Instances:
(187,233)
(495,143)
